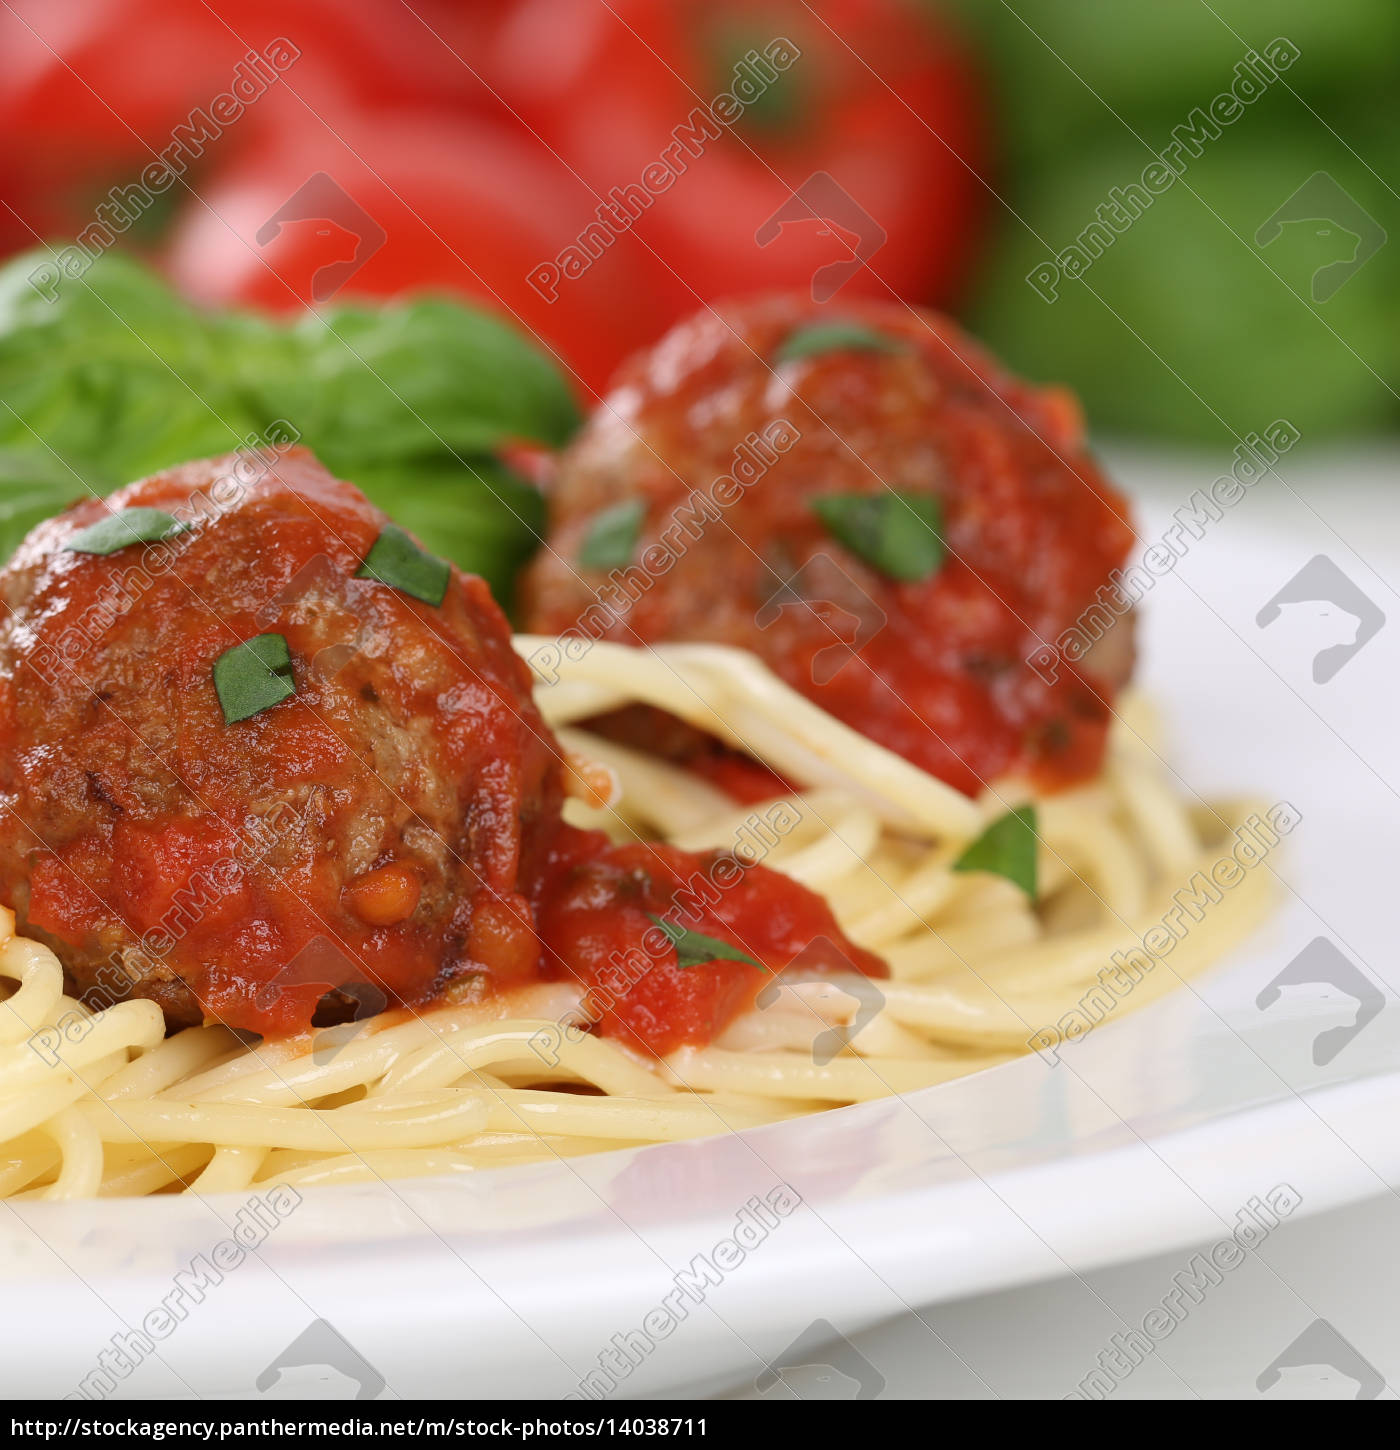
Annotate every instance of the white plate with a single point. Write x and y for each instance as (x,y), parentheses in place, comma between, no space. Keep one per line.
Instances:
(1153,1132)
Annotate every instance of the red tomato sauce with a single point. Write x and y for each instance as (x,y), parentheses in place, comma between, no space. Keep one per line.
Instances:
(390,834)
(598,920)
(937,669)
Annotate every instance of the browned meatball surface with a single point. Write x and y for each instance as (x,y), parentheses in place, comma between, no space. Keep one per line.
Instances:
(375,831)
(860,495)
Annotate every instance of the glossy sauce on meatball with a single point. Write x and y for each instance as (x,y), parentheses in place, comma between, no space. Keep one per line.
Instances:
(388,832)
(385,812)
(871,402)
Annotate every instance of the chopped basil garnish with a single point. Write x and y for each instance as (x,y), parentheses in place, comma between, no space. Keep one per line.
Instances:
(397,560)
(121,530)
(835,337)
(694,949)
(253,677)
(893,531)
(1006,848)
(612,538)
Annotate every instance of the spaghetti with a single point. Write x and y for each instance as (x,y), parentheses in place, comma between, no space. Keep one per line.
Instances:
(102,1103)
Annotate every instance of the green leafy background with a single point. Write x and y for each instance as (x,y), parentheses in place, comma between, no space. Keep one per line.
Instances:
(1186,327)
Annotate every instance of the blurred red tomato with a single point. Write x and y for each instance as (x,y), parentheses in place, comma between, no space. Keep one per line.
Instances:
(91,90)
(854,159)
(594,170)
(402,203)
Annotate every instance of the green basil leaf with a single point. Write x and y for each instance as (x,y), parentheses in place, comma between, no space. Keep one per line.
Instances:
(33,487)
(396,559)
(819,337)
(253,677)
(112,371)
(422,377)
(121,530)
(612,537)
(894,531)
(1006,848)
(115,374)
(694,948)
(476,512)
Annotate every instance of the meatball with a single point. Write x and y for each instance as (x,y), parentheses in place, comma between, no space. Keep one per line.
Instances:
(369,838)
(862,497)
